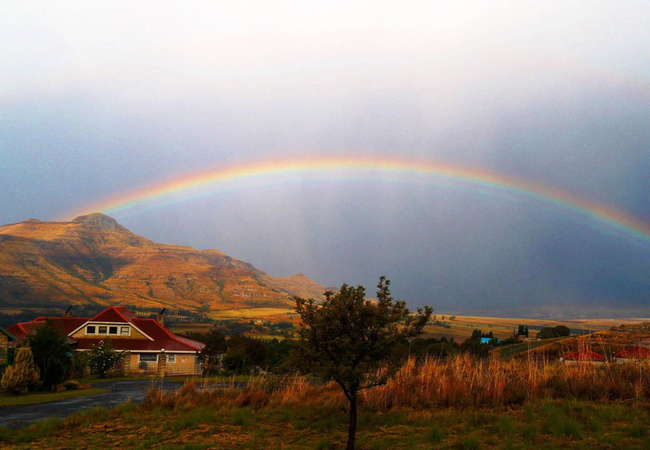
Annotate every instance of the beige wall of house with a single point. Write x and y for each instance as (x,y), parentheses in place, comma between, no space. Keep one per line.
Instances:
(176,362)
(4,345)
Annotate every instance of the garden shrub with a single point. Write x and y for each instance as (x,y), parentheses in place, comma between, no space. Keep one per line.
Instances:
(71,385)
(18,378)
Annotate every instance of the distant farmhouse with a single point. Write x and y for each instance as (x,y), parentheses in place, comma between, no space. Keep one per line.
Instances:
(633,353)
(583,356)
(149,346)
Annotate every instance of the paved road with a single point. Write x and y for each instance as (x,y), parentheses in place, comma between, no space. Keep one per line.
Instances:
(121,391)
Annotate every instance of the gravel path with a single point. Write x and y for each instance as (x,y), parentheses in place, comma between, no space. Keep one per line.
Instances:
(121,391)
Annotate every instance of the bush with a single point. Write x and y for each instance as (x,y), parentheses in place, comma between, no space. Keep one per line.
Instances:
(102,358)
(23,374)
(71,385)
(79,363)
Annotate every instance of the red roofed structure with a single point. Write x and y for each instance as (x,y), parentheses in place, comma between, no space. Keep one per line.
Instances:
(584,355)
(634,352)
(150,346)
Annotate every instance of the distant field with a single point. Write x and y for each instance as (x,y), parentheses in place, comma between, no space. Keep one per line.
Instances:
(251,313)
(185,327)
(522,347)
(462,326)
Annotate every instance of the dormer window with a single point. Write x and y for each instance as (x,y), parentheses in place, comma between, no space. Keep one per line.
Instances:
(109,329)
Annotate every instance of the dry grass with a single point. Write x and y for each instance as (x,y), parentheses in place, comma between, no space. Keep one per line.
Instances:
(458,381)
(460,402)
(463,380)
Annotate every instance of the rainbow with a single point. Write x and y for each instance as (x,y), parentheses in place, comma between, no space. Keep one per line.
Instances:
(393,169)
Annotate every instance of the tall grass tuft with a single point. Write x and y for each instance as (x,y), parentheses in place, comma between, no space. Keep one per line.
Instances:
(463,380)
(458,381)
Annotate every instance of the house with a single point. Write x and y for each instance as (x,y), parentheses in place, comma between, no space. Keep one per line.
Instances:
(634,353)
(5,339)
(149,346)
(583,356)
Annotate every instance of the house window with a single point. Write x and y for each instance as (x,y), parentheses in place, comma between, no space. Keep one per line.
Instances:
(90,329)
(112,330)
(124,331)
(148,357)
(171,358)
(102,330)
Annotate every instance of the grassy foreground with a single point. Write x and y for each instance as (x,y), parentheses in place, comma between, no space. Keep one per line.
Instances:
(540,424)
(547,424)
(458,403)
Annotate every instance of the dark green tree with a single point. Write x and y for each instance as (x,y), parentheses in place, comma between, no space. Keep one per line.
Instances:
(562,330)
(215,346)
(52,353)
(547,333)
(244,354)
(553,332)
(350,340)
(277,354)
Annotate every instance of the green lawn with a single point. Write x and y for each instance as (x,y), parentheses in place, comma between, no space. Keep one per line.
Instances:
(45,397)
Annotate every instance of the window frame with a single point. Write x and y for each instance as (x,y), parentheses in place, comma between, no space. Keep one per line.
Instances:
(155,355)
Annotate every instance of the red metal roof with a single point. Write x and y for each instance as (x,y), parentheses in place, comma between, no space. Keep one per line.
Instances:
(635,351)
(112,314)
(584,355)
(66,324)
(135,345)
(8,334)
(162,338)
(18,331)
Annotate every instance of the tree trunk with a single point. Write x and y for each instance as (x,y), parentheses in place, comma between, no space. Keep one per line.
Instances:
(353,422)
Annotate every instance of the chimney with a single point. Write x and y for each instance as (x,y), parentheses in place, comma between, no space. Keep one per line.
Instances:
(160,317)
(67,312)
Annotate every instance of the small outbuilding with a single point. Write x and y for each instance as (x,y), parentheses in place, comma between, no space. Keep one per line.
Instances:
(583,356)
(634,353)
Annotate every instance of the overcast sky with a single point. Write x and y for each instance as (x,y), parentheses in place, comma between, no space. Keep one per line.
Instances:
(102,98)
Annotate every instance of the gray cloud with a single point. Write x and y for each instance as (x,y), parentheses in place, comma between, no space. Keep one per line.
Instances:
(101,99)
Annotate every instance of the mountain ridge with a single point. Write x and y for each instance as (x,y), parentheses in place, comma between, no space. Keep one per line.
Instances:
(94,260)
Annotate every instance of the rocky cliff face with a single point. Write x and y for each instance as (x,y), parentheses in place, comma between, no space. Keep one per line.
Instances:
(95,260)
